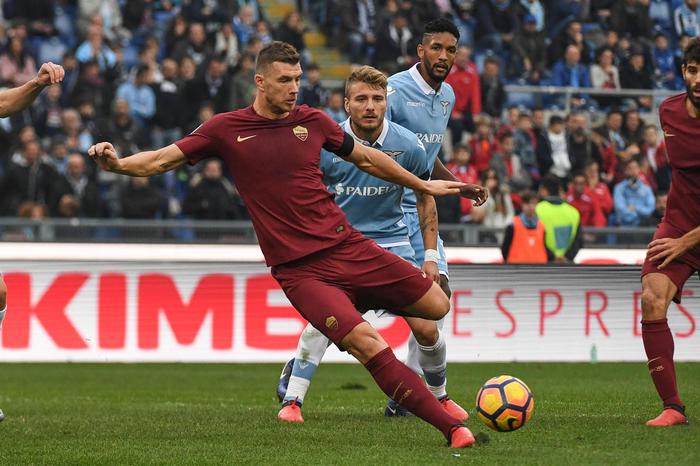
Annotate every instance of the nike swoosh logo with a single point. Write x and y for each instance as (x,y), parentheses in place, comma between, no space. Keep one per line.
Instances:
(240,139)
(668,135)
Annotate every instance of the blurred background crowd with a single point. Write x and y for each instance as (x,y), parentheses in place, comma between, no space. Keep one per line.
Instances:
(141,74)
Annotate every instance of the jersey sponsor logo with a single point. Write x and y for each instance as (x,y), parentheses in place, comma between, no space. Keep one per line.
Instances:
(365,191)
(301,133)
(445,104)
(430,138)
(415,104)
(393,153)
(240,139)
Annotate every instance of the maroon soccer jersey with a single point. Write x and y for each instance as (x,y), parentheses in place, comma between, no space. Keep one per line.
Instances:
(275,164)
(682,135)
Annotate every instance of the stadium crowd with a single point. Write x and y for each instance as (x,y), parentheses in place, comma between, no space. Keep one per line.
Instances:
(142,74)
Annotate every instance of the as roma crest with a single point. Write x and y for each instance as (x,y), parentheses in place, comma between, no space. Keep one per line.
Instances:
(301,132)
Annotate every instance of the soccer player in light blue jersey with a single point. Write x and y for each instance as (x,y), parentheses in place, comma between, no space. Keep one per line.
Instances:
(374,207)
(420,100)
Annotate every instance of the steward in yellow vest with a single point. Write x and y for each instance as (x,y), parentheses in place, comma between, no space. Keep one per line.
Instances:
(562,222)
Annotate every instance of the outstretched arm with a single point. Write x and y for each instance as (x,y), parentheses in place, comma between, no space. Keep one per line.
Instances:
(17,99)
(378,164)
(148,163)
(477,193)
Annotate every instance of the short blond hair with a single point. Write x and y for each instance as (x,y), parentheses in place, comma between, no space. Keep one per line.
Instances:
(368,75)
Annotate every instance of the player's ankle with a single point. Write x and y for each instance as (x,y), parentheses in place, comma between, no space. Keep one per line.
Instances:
(675,407)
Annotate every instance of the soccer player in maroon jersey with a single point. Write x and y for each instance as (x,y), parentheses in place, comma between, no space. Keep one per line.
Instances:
(13,101)
(674,254)
(326,268)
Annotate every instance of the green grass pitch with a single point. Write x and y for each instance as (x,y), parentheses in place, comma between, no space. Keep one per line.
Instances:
(174,414)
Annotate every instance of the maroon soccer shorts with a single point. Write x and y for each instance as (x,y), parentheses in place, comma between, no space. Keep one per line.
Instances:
(328,287)
(676,271)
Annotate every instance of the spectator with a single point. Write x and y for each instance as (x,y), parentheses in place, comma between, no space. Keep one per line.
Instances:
(292,31)
(170,107)
(686,17)
(47,112)
(497,211)
(611,130)
(636,75)
(493,93)
(16,65)
(661,14)
(633,128)
(176,35)
(631,17)
(335,109)
(535,9)
(543,149)
(312,92)
(81,196)
(561,164)
(243,85)
(395,45)
(599,190)
(562,222)
(213,197)
(580,198)
(29,178)
(524,239)
(525,142)
(77,137)
(634,200)
(529,59)
(572,35)
(58,155)
(581,148)
(660,210)
(569,72)
(140,97)
(126,136)
(214,86)
(664,62)
(482,144)
(358,25)
(496,22)
(244,24)
(139,200)
(465,172)
(654,152)
(226,45)
(262,32)
(605,75)
(94,49)
(107,12)
(196,46)
(509,166)
(464,79)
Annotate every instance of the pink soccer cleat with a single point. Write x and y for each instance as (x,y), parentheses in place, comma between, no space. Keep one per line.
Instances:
(668,417)
(291,412)
(453,409)
(461,437)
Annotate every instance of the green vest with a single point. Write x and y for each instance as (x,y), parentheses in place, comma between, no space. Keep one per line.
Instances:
(561,221)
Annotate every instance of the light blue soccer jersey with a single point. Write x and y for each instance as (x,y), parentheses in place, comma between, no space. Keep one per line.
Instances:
(372,205)
(413,104)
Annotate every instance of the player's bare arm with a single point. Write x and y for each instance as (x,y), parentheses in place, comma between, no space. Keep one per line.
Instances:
(377,163)
(666,250)
(17,99)
(147,163)
(428,218)
(477,193)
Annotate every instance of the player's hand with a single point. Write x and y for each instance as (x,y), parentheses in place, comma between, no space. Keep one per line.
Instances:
(430,270)
(104,154)
(442,187)
(477,193)
(50,73)
(665,250)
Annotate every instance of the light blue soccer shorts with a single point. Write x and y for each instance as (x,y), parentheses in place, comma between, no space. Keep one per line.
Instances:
(416,238)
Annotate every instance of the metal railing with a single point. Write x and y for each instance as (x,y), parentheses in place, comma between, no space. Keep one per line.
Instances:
(241,232)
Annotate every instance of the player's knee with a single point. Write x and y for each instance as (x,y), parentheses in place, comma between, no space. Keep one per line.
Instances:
(653,305)
(363,342)
(425,331)
(445,286)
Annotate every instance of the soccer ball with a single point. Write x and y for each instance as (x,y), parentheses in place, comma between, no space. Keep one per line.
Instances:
(504,403)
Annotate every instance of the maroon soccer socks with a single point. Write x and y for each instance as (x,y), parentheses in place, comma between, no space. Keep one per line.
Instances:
(403,385)
(658,344)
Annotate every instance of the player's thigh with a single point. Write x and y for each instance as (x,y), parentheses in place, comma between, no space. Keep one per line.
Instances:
(425,331)
(328,308)
(433,305)
(658,290)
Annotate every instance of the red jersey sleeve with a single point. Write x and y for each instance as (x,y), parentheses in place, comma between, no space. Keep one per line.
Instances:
(201,143)
(332,132)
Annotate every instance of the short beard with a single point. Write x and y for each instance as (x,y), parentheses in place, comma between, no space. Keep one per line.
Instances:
(437,79)
(691,97)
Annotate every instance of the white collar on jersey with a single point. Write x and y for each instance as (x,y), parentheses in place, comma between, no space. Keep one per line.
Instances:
(380,140)
(424,86)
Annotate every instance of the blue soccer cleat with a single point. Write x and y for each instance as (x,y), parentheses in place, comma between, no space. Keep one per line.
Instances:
(393,409)
(284,380)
